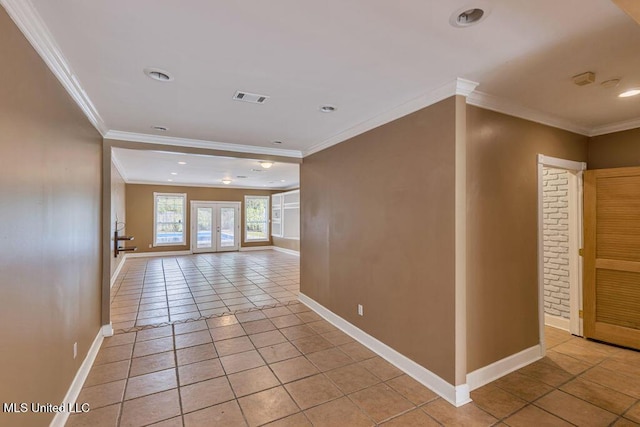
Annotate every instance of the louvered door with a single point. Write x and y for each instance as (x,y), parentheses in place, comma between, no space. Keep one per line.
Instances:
(612,256)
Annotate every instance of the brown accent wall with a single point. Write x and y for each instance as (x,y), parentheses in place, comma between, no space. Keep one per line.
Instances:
(283,243)
(502,286)
(118,214)
(615,150)
(139,211)
(50,162)
(378,230)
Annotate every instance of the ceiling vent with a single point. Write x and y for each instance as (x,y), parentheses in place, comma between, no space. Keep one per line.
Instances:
(254,98)
(584,78)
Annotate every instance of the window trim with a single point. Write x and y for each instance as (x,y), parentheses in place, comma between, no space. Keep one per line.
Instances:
(267,233)
(184,219)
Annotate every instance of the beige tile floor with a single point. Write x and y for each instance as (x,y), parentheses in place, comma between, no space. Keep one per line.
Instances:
(285,366)
(151,291)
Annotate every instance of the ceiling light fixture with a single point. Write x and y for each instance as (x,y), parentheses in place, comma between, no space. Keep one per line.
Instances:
(266,165)
(170,180)
(630,92)
(328,108)
(174,173)
(282,180)
(182,163)
(226,181)
(467,16)
(158,74)
(160,128)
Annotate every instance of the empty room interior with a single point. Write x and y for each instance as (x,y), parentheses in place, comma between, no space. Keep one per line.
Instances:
(330,214)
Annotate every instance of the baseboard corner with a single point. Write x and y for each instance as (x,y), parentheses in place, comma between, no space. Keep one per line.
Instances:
(502,367)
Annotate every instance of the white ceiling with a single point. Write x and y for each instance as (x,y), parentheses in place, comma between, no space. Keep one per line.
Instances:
(157,167)
(367,57)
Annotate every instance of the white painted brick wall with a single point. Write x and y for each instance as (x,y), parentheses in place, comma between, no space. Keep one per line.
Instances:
(556,241)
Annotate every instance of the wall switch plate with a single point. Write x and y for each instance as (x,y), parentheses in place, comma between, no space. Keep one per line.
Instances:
(360,310)
(75,350)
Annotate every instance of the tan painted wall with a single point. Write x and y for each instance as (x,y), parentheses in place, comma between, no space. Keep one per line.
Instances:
(502,278)
(139,211)
(118,213)
(50,162)
(615,150)
(378,229)
(291,244)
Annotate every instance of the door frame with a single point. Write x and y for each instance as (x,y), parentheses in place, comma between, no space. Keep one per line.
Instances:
(575,241)
(215,204)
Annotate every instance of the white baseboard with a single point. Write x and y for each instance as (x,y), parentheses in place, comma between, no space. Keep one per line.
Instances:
(107,330)
(70,398)
(286,251)
(155,254)
(557,322)
(456,395)
(502,367)
(114,276)
(255,248)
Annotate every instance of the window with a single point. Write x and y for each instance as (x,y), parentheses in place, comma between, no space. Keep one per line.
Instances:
(169,213)
(256,214)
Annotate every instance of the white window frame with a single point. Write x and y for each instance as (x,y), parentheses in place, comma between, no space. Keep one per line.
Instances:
(267,219)
(184,218)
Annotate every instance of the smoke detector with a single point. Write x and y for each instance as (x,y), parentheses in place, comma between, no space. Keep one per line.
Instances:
(253,98)
(584,78)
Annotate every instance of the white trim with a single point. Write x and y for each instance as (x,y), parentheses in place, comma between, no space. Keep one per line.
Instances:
(60,419)
(107,330)
(255,248)
(554,162)
(556,322)
(114,276)
(187,184)
(456,395)
(28,20)
(540,254)
(501,105)
(286,251)
(502,367)
(199,143)
(119,167)
(455,87)
(615,127)
(156,254)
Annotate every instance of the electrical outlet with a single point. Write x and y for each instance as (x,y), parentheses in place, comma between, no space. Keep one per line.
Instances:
(360,310)
(75,350)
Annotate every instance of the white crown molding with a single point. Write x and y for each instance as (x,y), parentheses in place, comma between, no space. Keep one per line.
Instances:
(501,105)
(186,184)
(28,20)
(119,167)
(455,87)
(199,143)
(615,127)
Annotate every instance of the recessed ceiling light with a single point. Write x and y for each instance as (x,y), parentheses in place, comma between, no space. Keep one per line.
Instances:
(282,180)
(328,108)
(174,173)
(158,74)
(266,165)
(467,16)
(160,128)
(630,92)
(226,181)
(170,180)
(182,163)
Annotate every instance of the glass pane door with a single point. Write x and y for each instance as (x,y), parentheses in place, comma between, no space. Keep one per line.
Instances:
(204,228)
(227,227)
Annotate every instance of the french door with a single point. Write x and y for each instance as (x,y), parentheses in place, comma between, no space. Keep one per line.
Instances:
(215,226)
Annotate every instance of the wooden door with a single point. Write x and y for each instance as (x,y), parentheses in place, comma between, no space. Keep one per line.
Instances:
(612,256)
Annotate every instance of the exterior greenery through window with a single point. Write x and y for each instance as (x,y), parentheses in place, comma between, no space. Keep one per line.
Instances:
(256,218)
(169,214)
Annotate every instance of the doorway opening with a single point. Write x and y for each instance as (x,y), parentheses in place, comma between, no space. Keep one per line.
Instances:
(559,243)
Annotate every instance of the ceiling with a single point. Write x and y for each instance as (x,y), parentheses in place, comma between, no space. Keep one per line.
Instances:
(366,57)
(158,167)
